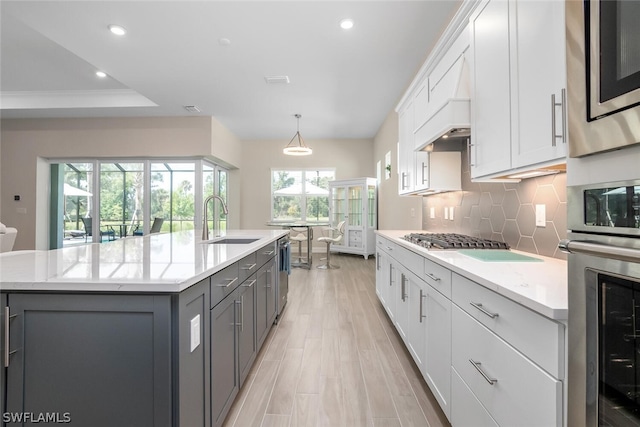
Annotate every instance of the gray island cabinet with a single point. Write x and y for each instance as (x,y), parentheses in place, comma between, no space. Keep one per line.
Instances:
(136,358)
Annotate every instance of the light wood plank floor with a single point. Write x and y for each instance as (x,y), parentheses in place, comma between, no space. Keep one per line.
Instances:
(335,359)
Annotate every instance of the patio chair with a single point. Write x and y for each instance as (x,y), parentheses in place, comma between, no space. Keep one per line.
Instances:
(88,229)
(155,227)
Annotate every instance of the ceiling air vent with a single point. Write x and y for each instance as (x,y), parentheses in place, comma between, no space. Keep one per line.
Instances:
(192,108)
(276,79)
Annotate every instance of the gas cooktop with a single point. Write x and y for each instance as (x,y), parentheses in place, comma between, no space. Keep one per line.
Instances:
(453,241)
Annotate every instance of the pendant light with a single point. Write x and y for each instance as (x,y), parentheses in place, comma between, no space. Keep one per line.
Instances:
(298,148)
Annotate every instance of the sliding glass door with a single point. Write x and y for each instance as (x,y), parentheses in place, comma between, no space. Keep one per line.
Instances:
(126,198)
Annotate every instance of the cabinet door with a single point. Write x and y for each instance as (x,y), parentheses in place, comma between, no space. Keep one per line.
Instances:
(402,302)
(406,171)
(382,276)
(538,71)
(271,286)
(491,110)
(246,302)
(437,365)
(261,305)
(417,320)
(224,377)
(88,354)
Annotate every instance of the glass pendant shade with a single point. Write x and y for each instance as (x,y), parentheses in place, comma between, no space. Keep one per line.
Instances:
(297,147)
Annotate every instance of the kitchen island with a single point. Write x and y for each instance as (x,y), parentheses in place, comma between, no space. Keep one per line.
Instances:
(159,330)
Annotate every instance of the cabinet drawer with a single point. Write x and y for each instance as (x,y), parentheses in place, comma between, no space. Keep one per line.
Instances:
(411,260)
(539,338)
(385,245)
(247,266)
(438,276)
(265,253)
(223,283)
(466,410)
(521,395)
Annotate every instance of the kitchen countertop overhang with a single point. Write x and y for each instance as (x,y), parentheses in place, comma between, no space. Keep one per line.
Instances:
(539,286)
(155,263)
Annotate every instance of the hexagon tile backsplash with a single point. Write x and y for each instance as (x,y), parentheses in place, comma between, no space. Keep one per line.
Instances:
(504,212)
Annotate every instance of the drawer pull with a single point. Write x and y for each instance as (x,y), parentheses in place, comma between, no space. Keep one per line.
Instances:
(484,310)
(432,277)
(250,284)
(8,317)
(389,248)
(422,295)
(476,365)
(268,252)
(248,266)
(231,281)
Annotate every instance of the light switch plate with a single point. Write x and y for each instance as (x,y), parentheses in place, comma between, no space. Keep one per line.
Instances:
(446,212)
(195,332)
(451,209)
(541,215)
(432,212)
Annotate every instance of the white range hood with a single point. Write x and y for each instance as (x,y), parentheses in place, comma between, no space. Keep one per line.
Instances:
(449,112)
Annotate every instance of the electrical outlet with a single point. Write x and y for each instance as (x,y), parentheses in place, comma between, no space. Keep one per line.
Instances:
(432,212)
(451,209)
(195,332)
(541,215)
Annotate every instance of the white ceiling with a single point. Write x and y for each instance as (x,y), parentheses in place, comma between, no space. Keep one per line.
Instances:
(344,83)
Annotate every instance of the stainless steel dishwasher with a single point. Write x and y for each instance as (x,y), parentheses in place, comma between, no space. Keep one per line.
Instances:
(284,269)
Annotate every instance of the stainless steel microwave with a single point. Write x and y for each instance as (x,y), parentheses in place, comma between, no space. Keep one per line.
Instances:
(603,75)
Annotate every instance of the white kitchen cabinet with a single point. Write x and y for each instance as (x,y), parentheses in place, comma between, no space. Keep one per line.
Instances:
(406,154)
(518,65)
(514,390)
(437,362)
(463,336)
(421,315)
(467,410)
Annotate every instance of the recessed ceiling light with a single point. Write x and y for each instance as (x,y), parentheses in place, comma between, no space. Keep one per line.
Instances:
(101,74)
(224,41)
(117,30)
(346,24)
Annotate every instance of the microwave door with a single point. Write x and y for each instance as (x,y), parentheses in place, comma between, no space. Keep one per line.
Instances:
(614,57)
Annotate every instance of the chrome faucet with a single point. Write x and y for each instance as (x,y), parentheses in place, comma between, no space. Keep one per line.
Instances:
(205,227)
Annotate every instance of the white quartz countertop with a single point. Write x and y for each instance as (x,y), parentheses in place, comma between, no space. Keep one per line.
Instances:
(166,262)
(540,286)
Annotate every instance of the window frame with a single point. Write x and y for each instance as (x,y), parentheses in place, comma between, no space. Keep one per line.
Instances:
(303,197)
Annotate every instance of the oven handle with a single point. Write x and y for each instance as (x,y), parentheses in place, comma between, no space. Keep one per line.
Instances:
(597,249)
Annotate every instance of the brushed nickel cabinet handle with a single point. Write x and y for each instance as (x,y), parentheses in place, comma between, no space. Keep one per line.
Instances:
(484,310)
(378,261)
(433,277)
(553,119)
(476,365)
(403,294)
(231,281)
(564,115)
(7,319)
(268,252)
(422,295)
(250,266)
(250,284)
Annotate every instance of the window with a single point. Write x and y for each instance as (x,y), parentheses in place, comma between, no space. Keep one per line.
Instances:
(300,195)
(125,196)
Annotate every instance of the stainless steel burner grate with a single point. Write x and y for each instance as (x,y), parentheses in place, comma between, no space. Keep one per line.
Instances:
(453,241)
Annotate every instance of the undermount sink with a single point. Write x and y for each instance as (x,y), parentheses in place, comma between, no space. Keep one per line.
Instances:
(234,241)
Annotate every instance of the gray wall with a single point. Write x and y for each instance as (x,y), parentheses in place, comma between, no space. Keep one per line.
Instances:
(504,211)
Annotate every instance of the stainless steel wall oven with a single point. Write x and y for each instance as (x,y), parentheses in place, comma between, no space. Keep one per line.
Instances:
(604,304)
